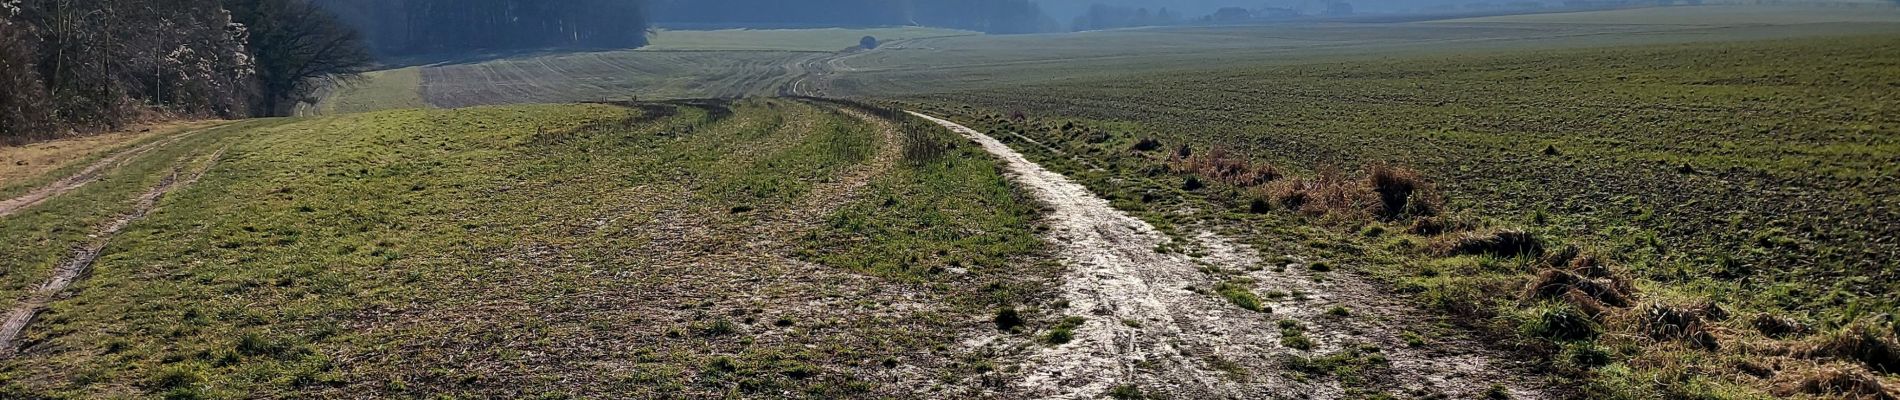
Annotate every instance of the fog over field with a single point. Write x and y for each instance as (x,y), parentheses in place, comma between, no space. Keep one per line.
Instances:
(950,199)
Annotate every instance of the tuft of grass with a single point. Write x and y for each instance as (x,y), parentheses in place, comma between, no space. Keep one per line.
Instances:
(1237,292)
(1556,321)
(1063,331)
(1293,335)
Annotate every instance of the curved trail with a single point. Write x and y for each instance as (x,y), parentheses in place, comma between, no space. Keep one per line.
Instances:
(84,255)
(1153,326)
(83,177)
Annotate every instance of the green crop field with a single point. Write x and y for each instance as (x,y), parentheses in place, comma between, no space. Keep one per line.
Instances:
(815,40)
(703,64)
(1733,176)
(380,90)
(1665,202)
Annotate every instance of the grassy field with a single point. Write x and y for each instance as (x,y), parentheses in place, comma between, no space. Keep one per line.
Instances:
(678,64)
(1677,202)
(616,75)
(689,249)
(1728,177)
(1705,15)
(27,166)
(814,40)
(380,90)
(703,64)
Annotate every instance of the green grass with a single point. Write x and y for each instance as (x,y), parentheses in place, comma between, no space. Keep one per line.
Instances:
(526,251)
(379,90)
(613,75)
(1778,211)
(816,40)
(41,236)
(1237,292)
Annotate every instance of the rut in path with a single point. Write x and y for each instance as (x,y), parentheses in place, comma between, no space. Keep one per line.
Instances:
(83,256)
(84,176)
(1149,327)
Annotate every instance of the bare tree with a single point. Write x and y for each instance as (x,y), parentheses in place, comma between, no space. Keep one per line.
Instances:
(298,47)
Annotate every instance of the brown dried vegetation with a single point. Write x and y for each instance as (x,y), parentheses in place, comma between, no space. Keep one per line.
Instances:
(1497,242)
(1833,381)
(1220,165)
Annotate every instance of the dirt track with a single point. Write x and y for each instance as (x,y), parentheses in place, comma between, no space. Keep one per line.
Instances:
(1152,324)
(76,265)
(84,176)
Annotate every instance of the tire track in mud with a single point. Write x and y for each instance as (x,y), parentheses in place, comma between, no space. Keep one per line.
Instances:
(85,176)
(76,265)
(1153,325)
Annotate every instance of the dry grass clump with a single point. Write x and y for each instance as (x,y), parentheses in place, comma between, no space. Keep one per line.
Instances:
(1593,295)
(1779,327)
(1146,144)
(1689,325)
(1402,192)
(1220,165)
(1497,242)
(1877,350)
(1387,192)
(1833,381)
(1329,194)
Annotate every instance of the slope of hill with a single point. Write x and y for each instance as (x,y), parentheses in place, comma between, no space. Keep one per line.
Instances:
(677,248)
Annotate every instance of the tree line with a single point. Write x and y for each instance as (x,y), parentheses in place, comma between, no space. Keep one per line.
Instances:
(991,16)
(90,65)
(409,27)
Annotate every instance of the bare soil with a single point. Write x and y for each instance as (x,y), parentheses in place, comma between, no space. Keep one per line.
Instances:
(1154,325)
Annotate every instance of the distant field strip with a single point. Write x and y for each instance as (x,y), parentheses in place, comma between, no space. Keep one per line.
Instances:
(613,76)
(826,40)
(380,90)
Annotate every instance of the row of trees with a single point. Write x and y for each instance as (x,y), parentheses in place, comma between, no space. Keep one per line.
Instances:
(993,16)
(87,65)
(404,27)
